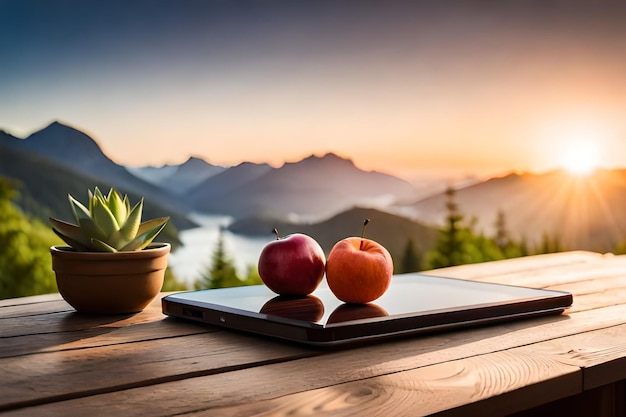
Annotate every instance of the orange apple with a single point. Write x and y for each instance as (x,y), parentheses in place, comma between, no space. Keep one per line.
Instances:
(348,312)
(358,270)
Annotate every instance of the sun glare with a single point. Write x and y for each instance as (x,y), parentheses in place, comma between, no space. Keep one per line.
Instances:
(577,145)
(580,158)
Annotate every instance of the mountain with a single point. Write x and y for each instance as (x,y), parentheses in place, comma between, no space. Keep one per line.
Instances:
(583,212)
(178,179)
(60,157)
(79,152)
(392,231)
(7,139)
(43,186)
(204,196)
(152,174)
(315,187)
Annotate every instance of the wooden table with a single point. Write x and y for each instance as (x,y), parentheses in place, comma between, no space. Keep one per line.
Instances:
(56,362)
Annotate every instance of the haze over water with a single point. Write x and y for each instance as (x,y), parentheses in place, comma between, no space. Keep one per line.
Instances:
(190,261)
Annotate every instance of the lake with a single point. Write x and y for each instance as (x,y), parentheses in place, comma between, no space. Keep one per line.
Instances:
(189,261)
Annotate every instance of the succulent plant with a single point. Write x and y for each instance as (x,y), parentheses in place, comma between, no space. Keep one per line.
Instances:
(108,224)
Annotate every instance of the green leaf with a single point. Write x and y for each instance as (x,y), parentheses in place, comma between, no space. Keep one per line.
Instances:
(93,197)
(68,231)
(103,217)
(100,246)
(91,229)
(90,199)
(145,238)
(127,203)
(148,225)
(116,240)
(71,242)
(98,193)
(130,228)
(80,211)
(117,207)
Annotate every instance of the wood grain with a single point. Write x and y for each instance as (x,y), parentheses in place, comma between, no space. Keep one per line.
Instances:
(35,299)
(300,374)
(56,362)
(431,389)
(525,265)
(67,374)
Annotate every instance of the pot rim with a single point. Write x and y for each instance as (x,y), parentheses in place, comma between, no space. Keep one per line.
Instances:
(155,249)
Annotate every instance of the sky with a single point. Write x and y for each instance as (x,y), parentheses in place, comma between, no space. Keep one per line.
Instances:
(445,88)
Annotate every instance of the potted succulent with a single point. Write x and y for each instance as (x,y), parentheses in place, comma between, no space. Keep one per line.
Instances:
(111,265)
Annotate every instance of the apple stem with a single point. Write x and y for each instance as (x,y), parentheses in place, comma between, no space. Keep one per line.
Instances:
(365,222)
(276,233)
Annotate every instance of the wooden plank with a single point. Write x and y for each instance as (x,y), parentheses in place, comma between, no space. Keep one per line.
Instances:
(601,354)
(99,336)
(76,361)
(34,309)
(34,299)
(47,304)
(527,264)
(528,379)
(595,293)
(418,391)
(327,369)
(33,379)
(551,276)
(48,332)
(600,402)
(551,366)
(69,321)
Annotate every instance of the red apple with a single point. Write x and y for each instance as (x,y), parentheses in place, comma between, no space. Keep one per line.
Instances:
(358,270)
(307,308)
(293,265)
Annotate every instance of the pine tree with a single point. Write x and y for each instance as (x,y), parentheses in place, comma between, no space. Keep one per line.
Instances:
(502,235)
(222,272)
(448,250)
(458,244)
(411,259)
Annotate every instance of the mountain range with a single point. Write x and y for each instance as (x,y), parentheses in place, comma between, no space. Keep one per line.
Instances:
(314,187)
(60,160)
(312,194)
(582,212)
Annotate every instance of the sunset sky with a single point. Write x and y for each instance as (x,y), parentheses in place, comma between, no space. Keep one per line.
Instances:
(410,88)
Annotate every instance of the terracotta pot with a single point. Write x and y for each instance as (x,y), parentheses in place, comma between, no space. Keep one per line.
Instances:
(110,283)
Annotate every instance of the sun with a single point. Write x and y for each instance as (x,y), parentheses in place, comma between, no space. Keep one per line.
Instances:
(580,158)
(577,142)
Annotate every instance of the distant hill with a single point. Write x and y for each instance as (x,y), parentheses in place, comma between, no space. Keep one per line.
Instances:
(44,185)
(80,153)
(178,179)
(208,195)
(583,212)
(315,187)
(390,230)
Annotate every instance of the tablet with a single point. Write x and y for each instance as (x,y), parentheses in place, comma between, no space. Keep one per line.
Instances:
(414,303)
